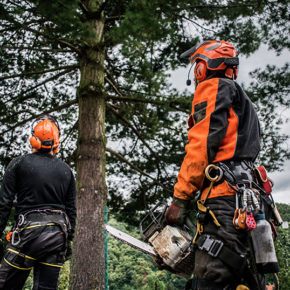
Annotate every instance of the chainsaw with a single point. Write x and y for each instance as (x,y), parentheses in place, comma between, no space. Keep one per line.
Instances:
(170,246)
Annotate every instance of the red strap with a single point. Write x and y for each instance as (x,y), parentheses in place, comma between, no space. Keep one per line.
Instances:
(266,182)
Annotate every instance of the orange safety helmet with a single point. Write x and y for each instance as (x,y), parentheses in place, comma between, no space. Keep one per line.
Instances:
(213,56)
(45,134)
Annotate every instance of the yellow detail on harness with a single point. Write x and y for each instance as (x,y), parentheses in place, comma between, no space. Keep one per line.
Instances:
(200,203)
(16,267)
(20,254)
(37,226)
(202,208)
(29,258)
(51,265)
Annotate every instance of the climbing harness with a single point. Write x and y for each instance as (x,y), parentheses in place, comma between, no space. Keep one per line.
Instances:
(22,221)
(27,222)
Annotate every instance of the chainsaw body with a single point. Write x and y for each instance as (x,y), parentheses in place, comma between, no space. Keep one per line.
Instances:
(173,245)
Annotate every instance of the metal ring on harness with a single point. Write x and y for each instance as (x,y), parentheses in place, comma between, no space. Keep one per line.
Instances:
(216,178)
(21,220)
(17,241)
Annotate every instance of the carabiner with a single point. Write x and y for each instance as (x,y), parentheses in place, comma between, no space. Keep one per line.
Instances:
(15,234)
(218,176)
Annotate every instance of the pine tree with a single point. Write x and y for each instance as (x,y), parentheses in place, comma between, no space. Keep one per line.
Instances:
(84,60)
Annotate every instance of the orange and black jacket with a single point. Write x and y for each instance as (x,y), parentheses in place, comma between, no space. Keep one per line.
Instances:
(223,126)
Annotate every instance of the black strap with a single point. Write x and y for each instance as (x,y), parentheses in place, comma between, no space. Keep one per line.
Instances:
(201,284)
(216,248)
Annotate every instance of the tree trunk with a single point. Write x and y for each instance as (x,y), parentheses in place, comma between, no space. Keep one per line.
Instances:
(88,264)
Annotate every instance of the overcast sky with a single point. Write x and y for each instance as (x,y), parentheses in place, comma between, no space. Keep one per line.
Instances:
(261,58)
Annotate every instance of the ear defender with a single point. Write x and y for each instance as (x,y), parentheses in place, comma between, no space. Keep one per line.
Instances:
(200,71)
(35,142)
(231,73)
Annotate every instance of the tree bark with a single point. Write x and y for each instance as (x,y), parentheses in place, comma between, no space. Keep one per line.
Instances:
(88,263)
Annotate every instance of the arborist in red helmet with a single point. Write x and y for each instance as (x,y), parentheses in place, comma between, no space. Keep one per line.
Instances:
(43,189)
(223,143)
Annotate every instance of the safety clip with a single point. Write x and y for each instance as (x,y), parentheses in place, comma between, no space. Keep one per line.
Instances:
(15,238)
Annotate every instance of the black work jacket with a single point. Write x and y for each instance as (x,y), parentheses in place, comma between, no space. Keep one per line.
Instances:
(37,181)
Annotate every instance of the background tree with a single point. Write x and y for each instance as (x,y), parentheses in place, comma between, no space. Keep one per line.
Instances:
(82,60)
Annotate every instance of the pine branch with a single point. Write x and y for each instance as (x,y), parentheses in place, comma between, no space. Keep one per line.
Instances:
(113,18)
(136,132)
(23,74)
(13,47)
(134,167)
(56,76)
(47,36)
(113,85)
(171,103)
(74,127)
(34,116)
(134,99)
(231,6)
(197,24)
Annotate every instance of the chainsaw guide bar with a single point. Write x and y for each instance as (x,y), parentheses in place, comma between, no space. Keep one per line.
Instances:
(131,241)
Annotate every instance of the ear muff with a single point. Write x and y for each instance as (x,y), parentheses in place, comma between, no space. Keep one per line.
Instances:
(35,142)
(231,73)
(200,71)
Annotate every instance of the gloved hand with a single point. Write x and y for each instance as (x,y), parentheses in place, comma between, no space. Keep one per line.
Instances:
(177,212)
(68,253)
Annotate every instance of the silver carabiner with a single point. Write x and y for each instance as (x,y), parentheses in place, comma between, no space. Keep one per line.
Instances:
(15,234)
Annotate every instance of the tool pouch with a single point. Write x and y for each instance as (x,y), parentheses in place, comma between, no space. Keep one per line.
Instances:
(264,180)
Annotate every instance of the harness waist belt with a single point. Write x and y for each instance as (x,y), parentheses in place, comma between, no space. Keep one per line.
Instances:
(217,248)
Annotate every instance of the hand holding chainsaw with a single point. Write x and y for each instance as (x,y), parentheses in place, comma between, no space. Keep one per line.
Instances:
(177,212)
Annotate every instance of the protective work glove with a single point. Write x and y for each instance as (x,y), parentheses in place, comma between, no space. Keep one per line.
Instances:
(177,212)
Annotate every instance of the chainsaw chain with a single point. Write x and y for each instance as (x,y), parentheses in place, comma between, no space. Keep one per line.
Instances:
(132,246)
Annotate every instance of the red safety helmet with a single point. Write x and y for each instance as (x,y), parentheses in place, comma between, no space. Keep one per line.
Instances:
(213,55)
(45,134)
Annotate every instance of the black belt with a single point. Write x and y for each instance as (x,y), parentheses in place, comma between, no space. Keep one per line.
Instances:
(45,215)
(217,249)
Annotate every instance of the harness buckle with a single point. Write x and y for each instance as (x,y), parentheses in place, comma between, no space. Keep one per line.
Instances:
(211,246)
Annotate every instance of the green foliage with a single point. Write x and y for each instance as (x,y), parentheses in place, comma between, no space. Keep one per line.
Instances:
(270,93)
(283,248)
(63,282)
(130,269)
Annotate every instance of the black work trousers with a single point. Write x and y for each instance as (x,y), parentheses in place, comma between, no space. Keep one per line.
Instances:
(210,271)
(40,247)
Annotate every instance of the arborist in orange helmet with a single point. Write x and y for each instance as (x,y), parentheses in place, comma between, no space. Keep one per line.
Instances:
(223,143)
(43,189)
